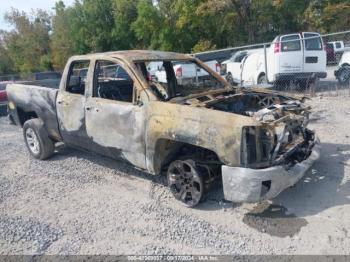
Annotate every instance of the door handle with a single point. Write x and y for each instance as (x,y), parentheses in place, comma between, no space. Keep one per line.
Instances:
(88,108)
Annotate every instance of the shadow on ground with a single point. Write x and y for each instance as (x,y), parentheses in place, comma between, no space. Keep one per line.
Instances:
(323,188)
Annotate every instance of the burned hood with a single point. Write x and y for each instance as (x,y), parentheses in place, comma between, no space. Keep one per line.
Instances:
(264,105)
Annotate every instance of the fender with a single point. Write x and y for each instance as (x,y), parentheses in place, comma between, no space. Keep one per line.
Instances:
(214,130)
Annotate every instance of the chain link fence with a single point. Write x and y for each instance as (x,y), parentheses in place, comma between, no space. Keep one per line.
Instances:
(302,63)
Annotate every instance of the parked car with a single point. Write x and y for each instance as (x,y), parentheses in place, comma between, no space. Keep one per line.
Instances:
(257,141)
(338,47)
(343,71)
(3,99)
(330,54)
(232,68)
(299,58)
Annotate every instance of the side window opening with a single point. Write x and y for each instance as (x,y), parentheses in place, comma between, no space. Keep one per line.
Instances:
(112,82)
(76,80)
(290,43)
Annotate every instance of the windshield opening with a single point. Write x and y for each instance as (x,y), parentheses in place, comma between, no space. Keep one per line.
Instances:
(169,79)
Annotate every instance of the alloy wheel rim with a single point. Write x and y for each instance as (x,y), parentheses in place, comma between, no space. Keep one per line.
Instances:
(32,141)
(185,183)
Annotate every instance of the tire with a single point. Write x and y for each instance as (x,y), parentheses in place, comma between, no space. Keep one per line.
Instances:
(343,75)
(185,182)
(229,79)
(37,140)
(262,79)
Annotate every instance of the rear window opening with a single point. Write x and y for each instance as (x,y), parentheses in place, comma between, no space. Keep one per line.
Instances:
(312,41)
(290,43)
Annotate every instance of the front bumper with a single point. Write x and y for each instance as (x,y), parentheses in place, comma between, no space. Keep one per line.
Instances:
(253,185)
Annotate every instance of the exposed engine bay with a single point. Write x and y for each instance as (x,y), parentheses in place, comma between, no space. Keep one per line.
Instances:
(281,137)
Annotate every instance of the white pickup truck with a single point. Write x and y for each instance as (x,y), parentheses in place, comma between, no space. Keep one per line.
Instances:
(298,58)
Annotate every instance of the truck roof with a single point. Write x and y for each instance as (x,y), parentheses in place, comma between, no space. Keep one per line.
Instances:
(138,55)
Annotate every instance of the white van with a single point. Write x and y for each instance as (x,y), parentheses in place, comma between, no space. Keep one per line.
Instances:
(298,58)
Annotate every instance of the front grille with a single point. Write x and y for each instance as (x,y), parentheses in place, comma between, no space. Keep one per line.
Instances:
(256,147)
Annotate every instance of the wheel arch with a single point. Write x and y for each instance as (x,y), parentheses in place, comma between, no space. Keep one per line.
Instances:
(167,150)
(24,116)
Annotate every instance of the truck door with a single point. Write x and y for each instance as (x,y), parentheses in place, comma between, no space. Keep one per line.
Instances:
(70,103)
(113,121)
(315,58)
(290,55)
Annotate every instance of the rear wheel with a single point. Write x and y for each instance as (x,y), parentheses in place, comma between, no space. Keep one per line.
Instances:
(185,182)
(37,139)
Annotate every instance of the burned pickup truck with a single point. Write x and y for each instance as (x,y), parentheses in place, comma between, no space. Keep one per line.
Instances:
(255,141)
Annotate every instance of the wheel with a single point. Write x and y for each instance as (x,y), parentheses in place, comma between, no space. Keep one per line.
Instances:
(185,182)
(262,79)
(37,139)
(229,79)
(344,75)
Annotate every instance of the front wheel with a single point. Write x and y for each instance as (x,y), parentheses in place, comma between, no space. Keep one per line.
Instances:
(39,144)
(344,75)
(185,182)
(262,79)
(229,79)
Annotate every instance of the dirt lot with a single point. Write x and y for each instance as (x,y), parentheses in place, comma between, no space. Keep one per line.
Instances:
(79,203)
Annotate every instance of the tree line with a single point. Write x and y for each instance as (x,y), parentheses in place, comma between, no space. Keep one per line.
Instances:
(41,40)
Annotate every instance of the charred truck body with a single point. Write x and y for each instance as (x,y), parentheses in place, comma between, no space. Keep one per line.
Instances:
(257,141)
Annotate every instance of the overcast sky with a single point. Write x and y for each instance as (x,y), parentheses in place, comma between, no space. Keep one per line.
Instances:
(27,6)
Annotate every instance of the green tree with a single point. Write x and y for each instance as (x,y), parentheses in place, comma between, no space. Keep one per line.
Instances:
(62,44)
(28,43)
(147,26)
(125,13)
(6,65)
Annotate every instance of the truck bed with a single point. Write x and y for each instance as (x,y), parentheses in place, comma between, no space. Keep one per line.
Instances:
(29,100)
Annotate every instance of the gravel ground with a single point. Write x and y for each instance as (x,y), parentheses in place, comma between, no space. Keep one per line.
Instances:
(80,203)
